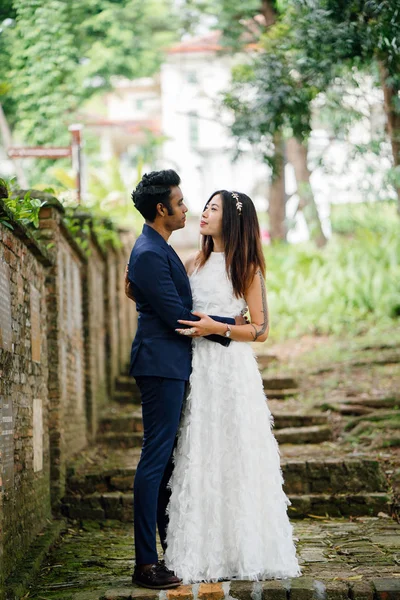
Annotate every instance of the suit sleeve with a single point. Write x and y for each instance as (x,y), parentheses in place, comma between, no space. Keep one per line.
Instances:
(152,276)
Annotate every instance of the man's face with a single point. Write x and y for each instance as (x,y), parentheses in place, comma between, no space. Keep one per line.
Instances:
(177,219)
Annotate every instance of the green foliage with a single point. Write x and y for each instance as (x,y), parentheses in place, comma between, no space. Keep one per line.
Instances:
(106,234)
(79,228)
(25,210)
(56,53)
(333,32)
(42,75)
(80,225)
(353,219)
(352,285)
(109,195)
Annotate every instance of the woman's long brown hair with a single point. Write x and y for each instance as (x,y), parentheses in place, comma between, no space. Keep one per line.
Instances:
(242,240)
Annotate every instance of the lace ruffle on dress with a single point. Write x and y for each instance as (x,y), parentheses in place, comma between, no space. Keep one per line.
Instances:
(228,511)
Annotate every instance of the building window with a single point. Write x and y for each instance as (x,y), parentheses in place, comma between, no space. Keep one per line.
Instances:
(139,104)
(193,129)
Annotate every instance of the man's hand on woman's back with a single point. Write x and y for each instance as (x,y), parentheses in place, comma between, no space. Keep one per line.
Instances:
(128,286)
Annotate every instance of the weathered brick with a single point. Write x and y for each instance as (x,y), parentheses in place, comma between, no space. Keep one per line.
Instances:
(362,590)
(302,588)
(274,590)
(210,591)
(183,592)
(337,590)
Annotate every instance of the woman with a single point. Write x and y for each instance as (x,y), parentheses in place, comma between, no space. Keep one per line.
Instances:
(228,512)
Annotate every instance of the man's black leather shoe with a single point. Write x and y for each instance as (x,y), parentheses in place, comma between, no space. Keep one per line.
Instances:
(157,577)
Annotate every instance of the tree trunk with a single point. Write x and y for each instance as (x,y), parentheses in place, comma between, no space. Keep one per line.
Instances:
(297,155)
(390,95)
(276,205)
(268,13)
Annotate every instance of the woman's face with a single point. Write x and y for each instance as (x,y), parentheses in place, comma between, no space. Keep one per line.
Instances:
(211,219)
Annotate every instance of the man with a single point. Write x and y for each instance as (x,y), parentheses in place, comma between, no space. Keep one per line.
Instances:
(160,362)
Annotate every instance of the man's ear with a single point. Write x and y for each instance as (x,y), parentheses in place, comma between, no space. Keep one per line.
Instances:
(160,209)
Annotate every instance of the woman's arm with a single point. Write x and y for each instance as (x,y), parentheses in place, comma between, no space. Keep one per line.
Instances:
(128,287)
(190,263)
(258,328)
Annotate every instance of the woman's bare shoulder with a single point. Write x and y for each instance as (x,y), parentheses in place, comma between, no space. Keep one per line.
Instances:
(190,262)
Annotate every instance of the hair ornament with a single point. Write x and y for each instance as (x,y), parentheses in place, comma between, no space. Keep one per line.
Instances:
(238,203)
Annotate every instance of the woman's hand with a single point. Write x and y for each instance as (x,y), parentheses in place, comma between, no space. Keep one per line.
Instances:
(128,287)
(206,326)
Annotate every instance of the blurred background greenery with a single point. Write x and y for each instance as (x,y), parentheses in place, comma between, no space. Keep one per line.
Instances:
(298,66)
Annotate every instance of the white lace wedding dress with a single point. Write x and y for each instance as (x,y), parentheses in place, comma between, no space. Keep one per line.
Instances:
(228,511)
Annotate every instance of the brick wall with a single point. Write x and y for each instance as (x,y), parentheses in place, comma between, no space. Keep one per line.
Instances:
(112,310)
(24,406)
(127,320)
(66,329)
(67,418)
(95,335)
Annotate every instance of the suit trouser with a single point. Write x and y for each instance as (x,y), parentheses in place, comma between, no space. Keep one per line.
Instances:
(162,401)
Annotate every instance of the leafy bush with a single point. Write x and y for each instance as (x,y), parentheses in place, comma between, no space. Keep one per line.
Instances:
(351,285)
(25,210)
(379,217)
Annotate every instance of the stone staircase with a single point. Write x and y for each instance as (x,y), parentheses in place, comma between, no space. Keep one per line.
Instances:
(348,545)
(318,481)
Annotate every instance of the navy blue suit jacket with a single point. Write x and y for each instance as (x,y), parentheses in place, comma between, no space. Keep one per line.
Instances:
(163,295)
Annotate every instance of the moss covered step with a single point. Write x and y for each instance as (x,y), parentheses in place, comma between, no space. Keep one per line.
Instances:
(313,434)
(327,476)
(126,397)
(126,383)
(341,558)
(128,422)
(116,420)
(125,439)
(265,360)
(280,394)
(119,505)
(339,505)
(279,383)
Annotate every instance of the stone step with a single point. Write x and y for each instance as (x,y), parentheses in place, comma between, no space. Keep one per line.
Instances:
(283,420)
(126,383)
(279,383)
(329,476)
(345,405)
(125,439)
(132,421)
(127,397)
(121,423)
(338,505)
(281,394)
(119,505)
(265,360)
(299,588)
(313,434)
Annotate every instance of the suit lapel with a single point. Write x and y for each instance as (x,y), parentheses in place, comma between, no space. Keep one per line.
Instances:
(151,233)
(177,260)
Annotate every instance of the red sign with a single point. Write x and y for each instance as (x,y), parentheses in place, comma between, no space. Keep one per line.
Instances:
(40,152)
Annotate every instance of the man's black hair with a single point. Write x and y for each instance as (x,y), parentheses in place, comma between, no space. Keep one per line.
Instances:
(155,187)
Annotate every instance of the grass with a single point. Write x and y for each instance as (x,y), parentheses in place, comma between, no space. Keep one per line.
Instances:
(353,284)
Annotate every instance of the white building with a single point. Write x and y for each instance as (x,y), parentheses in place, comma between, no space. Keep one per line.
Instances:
(199,144)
